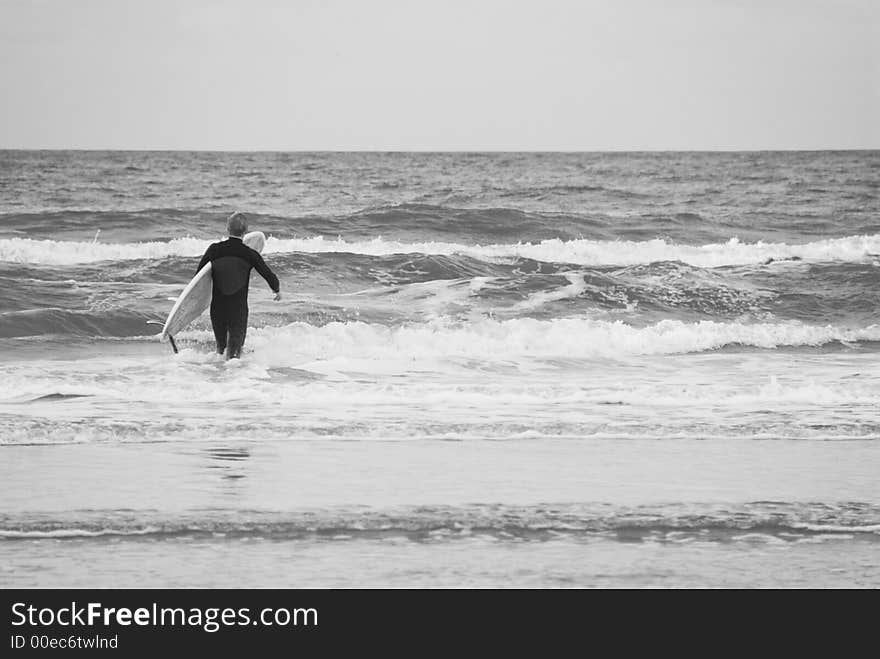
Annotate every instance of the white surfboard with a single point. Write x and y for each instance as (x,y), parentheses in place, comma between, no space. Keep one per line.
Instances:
(196,297)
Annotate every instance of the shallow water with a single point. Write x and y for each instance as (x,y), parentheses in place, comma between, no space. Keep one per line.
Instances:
(540,513)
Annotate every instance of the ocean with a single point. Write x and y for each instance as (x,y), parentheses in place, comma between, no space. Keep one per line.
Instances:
(576,370)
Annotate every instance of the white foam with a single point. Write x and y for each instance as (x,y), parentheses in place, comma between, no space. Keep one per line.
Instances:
(604,252)
(56,252)
(498,379)
(569,393)
(71,533)
(838,528)
(569,338)
(576,286)
(580,252)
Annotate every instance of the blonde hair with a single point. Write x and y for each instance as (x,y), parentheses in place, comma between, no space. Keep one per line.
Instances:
(236,224)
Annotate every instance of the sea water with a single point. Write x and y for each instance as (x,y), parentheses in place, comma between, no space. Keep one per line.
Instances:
(538,370)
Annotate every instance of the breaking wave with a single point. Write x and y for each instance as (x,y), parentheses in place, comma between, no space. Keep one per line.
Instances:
(570,338)
(579,251)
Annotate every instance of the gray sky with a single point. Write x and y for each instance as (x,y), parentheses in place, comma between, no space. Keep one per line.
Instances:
(440,75)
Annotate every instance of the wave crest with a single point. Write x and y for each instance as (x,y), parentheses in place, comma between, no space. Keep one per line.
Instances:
(568,338)
(580,251)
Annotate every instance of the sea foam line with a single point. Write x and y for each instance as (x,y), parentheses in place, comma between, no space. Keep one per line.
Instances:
(580,252)
(569,338)
(780,518)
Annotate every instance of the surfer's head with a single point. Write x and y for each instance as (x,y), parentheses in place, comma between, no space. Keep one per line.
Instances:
(236,225)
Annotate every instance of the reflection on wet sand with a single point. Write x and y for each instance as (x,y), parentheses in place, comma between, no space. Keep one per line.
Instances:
(231,461)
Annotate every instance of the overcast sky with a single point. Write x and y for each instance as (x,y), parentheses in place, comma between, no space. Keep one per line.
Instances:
(440,75)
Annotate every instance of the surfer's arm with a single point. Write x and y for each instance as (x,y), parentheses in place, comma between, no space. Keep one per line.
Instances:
(261,267)
(205,259)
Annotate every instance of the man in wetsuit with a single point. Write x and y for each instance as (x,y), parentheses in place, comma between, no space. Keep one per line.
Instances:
(231,264)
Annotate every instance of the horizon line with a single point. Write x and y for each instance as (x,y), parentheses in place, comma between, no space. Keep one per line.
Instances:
(180,150)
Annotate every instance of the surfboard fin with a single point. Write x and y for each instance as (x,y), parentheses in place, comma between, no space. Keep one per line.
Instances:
(170,338)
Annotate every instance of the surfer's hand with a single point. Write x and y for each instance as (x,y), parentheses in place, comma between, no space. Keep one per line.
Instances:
(278,296)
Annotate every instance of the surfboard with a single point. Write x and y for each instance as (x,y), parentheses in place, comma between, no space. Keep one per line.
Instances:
(196,297)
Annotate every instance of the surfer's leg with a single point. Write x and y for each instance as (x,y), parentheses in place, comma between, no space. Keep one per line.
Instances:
(220,324)
(237,333)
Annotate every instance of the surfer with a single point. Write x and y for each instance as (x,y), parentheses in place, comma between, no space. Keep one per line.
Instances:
(231,264)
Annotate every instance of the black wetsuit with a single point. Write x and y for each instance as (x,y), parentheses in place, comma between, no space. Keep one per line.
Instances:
(231,264)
